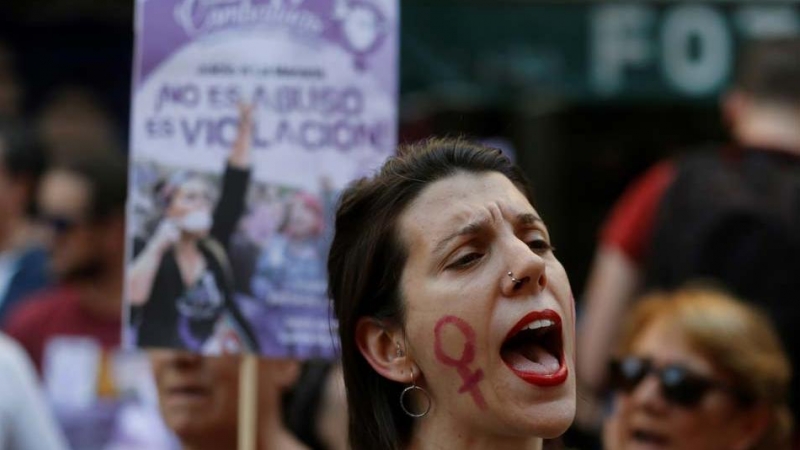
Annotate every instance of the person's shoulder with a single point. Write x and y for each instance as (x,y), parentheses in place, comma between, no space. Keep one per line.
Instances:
(34,255)
(12,355)
(659,174)
(704,173)
(8,346)
(33,268)
(645,191)
(649,185)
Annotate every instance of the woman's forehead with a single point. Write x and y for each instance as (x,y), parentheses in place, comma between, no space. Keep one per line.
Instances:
(465,198)
(667,343)
(466,188)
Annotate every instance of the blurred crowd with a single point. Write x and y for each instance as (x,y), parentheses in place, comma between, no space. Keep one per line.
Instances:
(662,360)
(65,382)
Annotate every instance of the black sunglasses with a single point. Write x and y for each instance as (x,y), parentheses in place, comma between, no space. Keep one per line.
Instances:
(679,385)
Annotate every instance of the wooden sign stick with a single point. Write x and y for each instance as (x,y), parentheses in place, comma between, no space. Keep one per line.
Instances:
(248,402)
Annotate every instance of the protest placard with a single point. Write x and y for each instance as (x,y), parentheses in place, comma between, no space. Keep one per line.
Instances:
(248,118)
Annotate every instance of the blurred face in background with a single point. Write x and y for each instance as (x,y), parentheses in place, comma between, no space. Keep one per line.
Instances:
(197,395)
(645,418)
(73,121)
(64,208)
(304,217)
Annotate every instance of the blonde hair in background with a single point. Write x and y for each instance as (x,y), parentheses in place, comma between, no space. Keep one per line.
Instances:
(737,338)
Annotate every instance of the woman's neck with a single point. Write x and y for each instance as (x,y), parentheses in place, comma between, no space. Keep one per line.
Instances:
(434,433)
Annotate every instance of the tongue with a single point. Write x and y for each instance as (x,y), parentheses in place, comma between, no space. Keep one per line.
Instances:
(532,359)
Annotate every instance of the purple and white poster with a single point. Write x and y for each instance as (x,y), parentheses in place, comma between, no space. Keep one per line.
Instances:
(249,117)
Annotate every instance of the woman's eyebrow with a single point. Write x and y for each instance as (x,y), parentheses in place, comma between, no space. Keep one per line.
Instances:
(481,225)
(528,219)
(472,228)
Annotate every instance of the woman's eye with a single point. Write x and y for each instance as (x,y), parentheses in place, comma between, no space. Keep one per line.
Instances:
(540,246)
(465,261)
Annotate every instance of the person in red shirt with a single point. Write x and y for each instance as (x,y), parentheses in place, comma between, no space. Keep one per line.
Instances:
(762,113)
(81,203)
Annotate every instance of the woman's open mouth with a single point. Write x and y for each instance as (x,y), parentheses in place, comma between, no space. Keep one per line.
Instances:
(534,349)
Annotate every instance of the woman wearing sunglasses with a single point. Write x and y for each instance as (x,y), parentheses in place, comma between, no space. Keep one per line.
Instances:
(698,370)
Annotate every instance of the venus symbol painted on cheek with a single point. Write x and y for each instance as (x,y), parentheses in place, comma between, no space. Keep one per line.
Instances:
(470,378)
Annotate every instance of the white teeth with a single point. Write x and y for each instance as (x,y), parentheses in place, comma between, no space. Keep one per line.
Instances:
(541,323)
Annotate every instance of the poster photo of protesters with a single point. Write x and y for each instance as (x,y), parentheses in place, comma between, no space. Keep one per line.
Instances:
(242,135)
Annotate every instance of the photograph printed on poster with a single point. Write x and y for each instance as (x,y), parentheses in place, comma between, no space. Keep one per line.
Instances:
(249,117)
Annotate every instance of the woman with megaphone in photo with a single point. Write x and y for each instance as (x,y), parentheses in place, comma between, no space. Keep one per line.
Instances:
(180,283)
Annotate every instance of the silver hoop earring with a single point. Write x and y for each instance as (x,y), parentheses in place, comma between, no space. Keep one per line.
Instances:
(513,280)
(411,388)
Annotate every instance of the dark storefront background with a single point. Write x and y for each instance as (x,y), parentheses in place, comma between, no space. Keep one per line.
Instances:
(587,93)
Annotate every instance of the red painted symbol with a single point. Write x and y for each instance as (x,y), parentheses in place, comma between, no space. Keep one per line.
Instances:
(470,378)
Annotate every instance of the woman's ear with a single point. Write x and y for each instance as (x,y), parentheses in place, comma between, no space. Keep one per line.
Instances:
(384,349)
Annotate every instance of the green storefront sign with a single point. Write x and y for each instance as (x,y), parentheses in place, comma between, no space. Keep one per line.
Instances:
(588,51)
